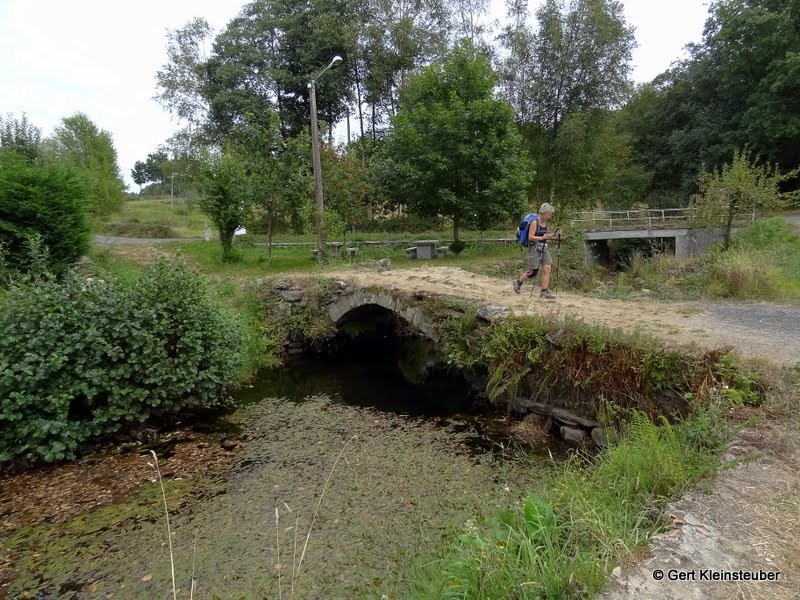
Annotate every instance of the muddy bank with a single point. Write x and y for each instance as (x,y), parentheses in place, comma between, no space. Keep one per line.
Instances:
(399,485)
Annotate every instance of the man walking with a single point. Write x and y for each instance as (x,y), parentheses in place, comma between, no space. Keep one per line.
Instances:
(538,253)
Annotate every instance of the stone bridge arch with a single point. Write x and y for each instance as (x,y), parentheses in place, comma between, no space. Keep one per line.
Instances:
(414,315)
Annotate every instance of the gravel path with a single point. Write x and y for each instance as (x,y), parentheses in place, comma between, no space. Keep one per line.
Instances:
(757,321)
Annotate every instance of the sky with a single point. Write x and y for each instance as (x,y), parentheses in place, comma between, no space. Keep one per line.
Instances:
(100,57)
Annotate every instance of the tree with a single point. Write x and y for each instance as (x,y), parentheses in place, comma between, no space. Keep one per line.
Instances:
(453,148)
(517,68)
(225,199)
(740,184)
(139,174)
(581,56)
(263,59)
(79,142)
(20,136)
(157,168)
(46,199)
(394,39)
(740,87)
(593,163)
(347,189)
(182,81)
(578,60)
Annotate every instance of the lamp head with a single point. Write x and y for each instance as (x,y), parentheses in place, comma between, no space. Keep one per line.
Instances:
(336,60)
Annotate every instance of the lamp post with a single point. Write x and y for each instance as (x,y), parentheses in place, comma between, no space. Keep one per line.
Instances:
(316,160)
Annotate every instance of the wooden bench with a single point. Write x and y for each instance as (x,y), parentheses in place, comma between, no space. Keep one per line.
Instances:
(349,252)
(441,252)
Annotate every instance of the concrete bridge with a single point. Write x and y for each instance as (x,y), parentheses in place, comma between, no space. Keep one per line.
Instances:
(677,227)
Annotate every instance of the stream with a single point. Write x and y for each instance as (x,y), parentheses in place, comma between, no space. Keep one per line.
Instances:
(347,468)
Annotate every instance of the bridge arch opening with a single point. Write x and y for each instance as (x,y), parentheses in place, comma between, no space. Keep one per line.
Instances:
(615,254)
(391,351)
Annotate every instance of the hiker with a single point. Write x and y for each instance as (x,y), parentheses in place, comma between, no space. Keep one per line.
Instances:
(538,254)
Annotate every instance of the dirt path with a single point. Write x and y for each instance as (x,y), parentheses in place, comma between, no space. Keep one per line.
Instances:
(759,330)
(748,522)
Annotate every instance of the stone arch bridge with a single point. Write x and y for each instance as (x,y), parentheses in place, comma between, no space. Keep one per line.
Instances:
(354,302)
(345,303)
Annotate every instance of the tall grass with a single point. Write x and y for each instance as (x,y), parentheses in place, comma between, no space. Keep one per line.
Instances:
(563,542)
(763,263)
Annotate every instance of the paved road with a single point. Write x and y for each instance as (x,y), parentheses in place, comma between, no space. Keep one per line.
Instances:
(793,219)
(777,321)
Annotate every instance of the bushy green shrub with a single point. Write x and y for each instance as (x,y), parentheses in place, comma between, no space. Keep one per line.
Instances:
(79,359)
(457,246)
(743,276)
(51,200)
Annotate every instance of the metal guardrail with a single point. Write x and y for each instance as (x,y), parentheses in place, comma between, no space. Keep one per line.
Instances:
(649,217)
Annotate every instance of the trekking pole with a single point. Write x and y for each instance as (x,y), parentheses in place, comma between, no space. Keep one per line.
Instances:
(558,263)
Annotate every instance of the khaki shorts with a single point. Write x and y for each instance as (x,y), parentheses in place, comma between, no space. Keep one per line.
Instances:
(536,257)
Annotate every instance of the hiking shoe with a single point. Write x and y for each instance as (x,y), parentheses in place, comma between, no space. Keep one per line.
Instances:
(547,294)
(517,285)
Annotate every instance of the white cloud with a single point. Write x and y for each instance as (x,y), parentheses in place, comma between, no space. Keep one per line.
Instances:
(100,58)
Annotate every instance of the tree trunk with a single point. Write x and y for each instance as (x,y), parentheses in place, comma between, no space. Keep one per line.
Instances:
(729,221)
(360,111)
(226,240)
(270,223)
(456,219)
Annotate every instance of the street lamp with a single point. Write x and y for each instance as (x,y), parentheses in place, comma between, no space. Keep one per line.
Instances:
(315,159)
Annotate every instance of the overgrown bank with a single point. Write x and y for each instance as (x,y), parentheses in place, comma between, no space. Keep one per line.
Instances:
(669,407)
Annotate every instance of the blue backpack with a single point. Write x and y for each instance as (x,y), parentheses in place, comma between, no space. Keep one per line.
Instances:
(523,229)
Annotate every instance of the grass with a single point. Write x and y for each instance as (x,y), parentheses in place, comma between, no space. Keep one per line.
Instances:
(161,216)
(251,260)
(563,542)
(183,218)
(762,263)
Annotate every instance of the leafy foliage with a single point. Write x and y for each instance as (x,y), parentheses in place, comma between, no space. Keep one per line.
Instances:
(20,136)
(227,197)
(453,149)
(45,199)
(580,363)
(563,79)
(740,184)
(79,142)
(740,88)
(80,359)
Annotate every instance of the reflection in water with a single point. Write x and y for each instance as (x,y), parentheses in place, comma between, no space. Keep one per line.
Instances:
(400,375)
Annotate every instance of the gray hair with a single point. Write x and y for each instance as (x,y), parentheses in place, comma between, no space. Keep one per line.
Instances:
(546,208)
